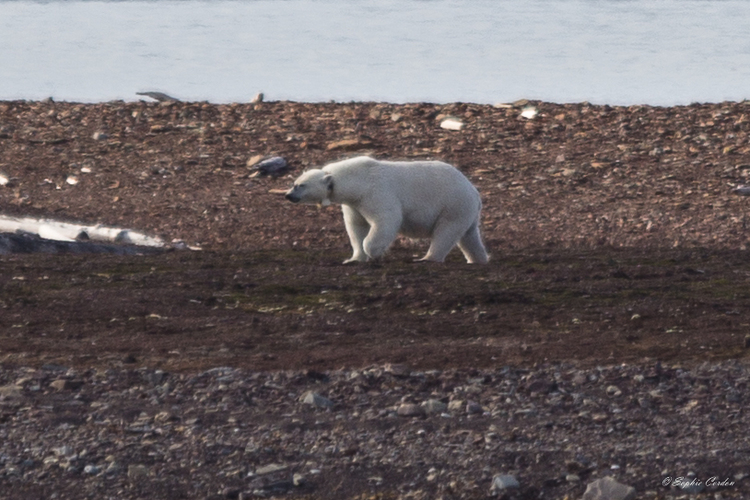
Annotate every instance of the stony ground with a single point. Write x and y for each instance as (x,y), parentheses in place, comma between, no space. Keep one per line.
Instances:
(607,337)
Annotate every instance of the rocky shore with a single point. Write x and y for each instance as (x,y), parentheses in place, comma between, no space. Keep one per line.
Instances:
(375,432)
(606,338)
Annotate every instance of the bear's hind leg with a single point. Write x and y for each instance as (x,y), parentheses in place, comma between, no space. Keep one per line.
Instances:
(357,228)
(444,237)
(472,247)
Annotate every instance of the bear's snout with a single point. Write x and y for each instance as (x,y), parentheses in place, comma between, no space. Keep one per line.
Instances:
(292,197)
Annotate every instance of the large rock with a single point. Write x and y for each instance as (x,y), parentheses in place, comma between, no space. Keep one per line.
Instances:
(607,488)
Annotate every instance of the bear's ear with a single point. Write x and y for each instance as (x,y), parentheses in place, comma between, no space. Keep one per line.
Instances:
(328,179)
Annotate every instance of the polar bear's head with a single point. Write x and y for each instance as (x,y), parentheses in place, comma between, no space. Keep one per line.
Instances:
(313,186)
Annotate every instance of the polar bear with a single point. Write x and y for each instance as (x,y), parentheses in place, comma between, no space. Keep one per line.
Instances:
(380,199)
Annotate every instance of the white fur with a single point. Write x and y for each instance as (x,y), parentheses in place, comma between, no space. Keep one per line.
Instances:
(381,199)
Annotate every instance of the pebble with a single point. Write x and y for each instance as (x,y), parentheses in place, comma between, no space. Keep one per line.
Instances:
(410,410)
(579,379)
(455,405)
(452,124)
(12,471)
(397,370)
(316,400)
(10,391)
(92,470)
(503,482)
(270,469)
(434,406)
(690,484)
(113,468)
(65,384)
(473,408)
(253,160)
(529,112)
(348,145)
(137,471)
(63,451)
(613,390)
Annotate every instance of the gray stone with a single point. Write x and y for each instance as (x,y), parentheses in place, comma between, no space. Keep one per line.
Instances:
(270,469)
(607,488)
(434,406)
(473,408)
(92,469)
(11,470)
(689,484)
(503,482)
(455,405)
(63,451)
(398,370)
(137,471)
(316,400)
(158,377)
(63,384)
(113,468)
(272,166)
(613,390)
(10,391)
(410,410)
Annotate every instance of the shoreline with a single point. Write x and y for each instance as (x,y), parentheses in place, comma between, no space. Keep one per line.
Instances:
(604,175)
(251,101)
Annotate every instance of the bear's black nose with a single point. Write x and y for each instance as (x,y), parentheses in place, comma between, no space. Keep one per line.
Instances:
(291,197)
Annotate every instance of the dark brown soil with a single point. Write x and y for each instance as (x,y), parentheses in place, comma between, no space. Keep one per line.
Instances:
(615,235)
(279,309)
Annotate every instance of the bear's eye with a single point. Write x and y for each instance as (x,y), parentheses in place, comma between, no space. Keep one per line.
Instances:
(300,185)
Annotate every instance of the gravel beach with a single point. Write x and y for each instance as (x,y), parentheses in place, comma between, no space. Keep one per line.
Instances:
(608,336)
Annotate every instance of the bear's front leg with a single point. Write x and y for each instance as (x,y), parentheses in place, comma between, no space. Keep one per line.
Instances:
(357,228)
(382,234)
